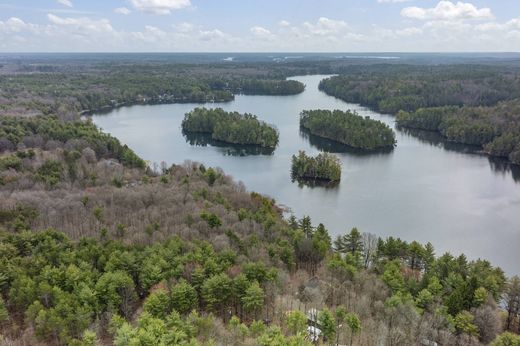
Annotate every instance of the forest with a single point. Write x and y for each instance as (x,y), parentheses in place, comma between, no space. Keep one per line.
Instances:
(125,251)
(493,128)
(324,166)
(348,128)
(230,127)
(100,251)
(474,105)
(391,88)
(64,90)
(99,247)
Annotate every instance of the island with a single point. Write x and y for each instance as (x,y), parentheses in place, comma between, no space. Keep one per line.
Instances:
(323,167)
(230,127)
(476,105)
(348,128)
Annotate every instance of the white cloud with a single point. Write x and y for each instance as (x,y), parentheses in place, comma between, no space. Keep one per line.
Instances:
(210,35)
(122,10)
(151,34)
(160,7)
(67,3)
(326,26)
(261,32)
(83,33)
(447,10)
(81,25)
(409,31)
(284,23)
(184,27)
(13,24)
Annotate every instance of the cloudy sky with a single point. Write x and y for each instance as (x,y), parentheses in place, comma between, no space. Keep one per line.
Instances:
(259,25)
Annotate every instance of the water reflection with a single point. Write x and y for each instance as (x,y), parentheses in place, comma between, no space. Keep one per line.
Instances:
(312,183)
(502,166)
(205,139)
(497,164)
(330,146)
(437,140)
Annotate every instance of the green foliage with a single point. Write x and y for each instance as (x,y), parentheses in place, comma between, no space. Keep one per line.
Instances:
(211,175)
(327,324)
(216,291)
(480,296)
(507,339)
(353,323)
(464,324)
(10,162)
(322,167)
(231,127)
(273,336)
(393,277)
(296,322)
(50,172)
(117,293)
(253,299)
(18,218)
(424,299)
(157,304)
(50,128)
(390,89)
(350,243)
(4,315)
(212,219)
(183,297)
(471,105)
(271,87)
(348,128)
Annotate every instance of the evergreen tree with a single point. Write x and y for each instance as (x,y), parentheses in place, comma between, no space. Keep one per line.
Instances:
(253,298)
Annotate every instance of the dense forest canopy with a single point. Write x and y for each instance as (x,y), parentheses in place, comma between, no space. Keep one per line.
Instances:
(231,127)
(48,131)
(324,166)
(389,89)
(348,128)
(66,90)
(473,105)
(98,248)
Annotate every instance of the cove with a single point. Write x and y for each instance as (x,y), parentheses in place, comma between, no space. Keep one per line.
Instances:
(426,189)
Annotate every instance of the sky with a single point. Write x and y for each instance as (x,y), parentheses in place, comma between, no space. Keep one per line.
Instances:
(259,26)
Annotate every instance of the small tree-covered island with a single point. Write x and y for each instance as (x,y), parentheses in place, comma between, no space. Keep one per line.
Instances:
(323,167)
(230,127)
(348,128)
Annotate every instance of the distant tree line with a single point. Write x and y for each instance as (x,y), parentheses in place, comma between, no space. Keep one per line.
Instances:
(65,91)
(268,87)
(389,89)
(477,105)
(231,127)
(496,129)
(348,128)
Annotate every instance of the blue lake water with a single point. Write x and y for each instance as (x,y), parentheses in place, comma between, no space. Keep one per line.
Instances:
(424,190)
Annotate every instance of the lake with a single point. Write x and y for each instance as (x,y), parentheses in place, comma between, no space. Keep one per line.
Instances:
(425,189)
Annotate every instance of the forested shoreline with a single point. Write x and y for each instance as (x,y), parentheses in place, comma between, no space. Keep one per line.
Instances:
(348,128)
(99,247)
(164,255)
(66,92)
(230,127)
(475,106)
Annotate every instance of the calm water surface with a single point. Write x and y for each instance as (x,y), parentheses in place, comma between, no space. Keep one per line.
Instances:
(424,190)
